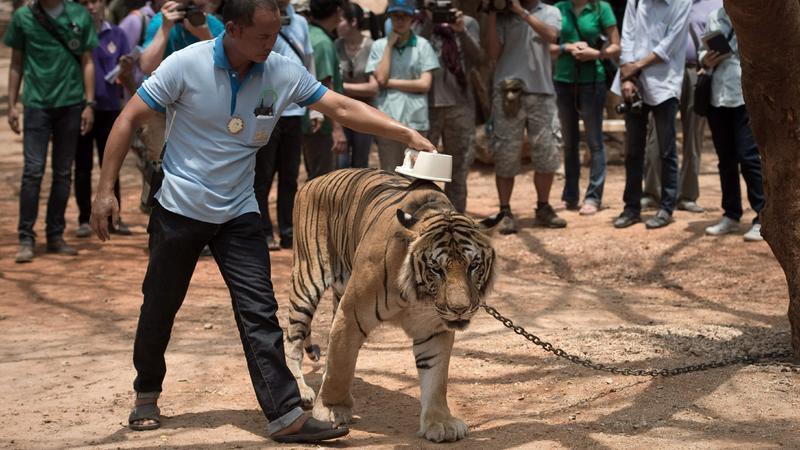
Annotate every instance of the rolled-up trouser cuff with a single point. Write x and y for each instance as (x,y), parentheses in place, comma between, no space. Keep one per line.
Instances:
(285,420)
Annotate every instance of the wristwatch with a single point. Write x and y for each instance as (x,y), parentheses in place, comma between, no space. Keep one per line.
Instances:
(91,104)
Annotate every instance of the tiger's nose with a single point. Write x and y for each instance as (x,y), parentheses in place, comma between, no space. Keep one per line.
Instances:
(459,310)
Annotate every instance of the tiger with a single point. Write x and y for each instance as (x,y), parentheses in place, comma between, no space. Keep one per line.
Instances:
(392,250)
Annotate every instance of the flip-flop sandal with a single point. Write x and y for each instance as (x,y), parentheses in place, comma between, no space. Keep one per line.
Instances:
(147,411)
(313,430)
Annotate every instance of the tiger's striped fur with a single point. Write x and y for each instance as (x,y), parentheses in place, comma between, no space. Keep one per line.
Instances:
(393,251)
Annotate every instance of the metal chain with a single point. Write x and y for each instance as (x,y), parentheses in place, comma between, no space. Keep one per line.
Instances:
(586,362)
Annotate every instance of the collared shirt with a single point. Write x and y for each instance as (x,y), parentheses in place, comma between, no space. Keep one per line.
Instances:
(112,45)
(208,169)
(179,36)
(408,63)
(297,32)
(698,18)
(526,56)
(134,24)
(591,23)
(660,27)
(726,79)
(51,74)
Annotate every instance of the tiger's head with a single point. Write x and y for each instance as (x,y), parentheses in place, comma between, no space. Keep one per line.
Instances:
(450,262)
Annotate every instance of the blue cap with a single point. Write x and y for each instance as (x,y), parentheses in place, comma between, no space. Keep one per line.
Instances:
(403,6)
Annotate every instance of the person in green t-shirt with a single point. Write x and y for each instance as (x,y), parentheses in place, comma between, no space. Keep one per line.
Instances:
(58,101)
(323,137)
(588,35)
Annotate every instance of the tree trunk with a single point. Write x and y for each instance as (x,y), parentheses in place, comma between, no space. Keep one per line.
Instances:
(769,43)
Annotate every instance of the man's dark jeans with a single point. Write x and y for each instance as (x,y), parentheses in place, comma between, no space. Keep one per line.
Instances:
(636,128)
(63,124)
(582,101)
(84,162)
(736,148)
(281,155)
(240,250)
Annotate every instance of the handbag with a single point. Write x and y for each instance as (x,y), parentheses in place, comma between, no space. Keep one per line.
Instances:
(154,173)
(701,97)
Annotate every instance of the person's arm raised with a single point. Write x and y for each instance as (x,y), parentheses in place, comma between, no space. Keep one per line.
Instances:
(105,203)
(363,118)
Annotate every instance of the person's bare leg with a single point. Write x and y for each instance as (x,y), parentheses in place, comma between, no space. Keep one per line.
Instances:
(505,186)
(543,182)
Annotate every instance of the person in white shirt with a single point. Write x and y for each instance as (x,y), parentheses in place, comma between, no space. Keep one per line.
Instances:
(730,130)
(654,34)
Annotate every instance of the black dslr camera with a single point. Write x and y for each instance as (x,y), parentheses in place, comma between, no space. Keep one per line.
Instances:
(442,11)
(194,14)
(634,106)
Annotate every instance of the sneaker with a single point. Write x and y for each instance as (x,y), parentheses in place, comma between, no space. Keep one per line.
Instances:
(25,252)
(693,207)
(625,220)
(754,234)
(588,208)
(547,217)
(121,229)
(660,220)
(507,224)
(84,230)
(272,244)
(648,202)
(60,247)
(725,226)
(569,206)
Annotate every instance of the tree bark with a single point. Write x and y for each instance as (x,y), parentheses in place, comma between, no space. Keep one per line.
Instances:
(769,42)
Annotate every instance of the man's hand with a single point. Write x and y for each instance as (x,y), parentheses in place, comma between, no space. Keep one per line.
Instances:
(339,140)
(393,38)
(517,9)
(104,206)
(13,118)
(629,70)
(171,14)
(417,142)
(458,26)
(87,120)
(712,59)
(629,90)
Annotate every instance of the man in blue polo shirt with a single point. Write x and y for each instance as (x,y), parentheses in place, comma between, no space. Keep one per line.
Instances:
(226,96)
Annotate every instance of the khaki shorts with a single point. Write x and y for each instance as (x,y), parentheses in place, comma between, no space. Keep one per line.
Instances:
(538,114)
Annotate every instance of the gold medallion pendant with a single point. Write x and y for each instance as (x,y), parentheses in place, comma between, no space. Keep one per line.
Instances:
(235,125)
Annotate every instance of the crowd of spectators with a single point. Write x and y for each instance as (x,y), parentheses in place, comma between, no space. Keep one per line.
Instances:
(553,67)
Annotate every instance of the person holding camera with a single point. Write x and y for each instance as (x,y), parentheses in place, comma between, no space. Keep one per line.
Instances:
(51,50)
(524,99)
(112,50)
(401,63)
(692,124)
(456,39)
(650,80)
(730,130)
(588,35)
(283,151)
(353,48)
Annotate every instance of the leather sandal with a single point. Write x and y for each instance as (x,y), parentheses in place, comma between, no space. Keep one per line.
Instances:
(147,411)
(313,430)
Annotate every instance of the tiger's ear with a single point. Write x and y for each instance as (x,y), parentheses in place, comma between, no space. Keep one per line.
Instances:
(489,224)
(405,219)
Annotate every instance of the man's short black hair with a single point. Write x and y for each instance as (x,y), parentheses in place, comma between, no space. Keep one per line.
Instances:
(322,9)
(241,12)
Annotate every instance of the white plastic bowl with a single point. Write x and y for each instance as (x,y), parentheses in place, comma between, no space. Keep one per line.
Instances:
(428,166)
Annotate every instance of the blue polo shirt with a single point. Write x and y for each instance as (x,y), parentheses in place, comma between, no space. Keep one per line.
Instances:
(208,170)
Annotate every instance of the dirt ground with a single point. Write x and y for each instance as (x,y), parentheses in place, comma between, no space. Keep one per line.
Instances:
(638,298)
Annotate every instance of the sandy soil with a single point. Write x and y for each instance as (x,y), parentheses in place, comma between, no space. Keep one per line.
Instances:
(633,297)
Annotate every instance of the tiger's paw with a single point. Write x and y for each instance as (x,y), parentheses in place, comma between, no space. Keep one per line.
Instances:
(339,415)
(447,429)
(307,396)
